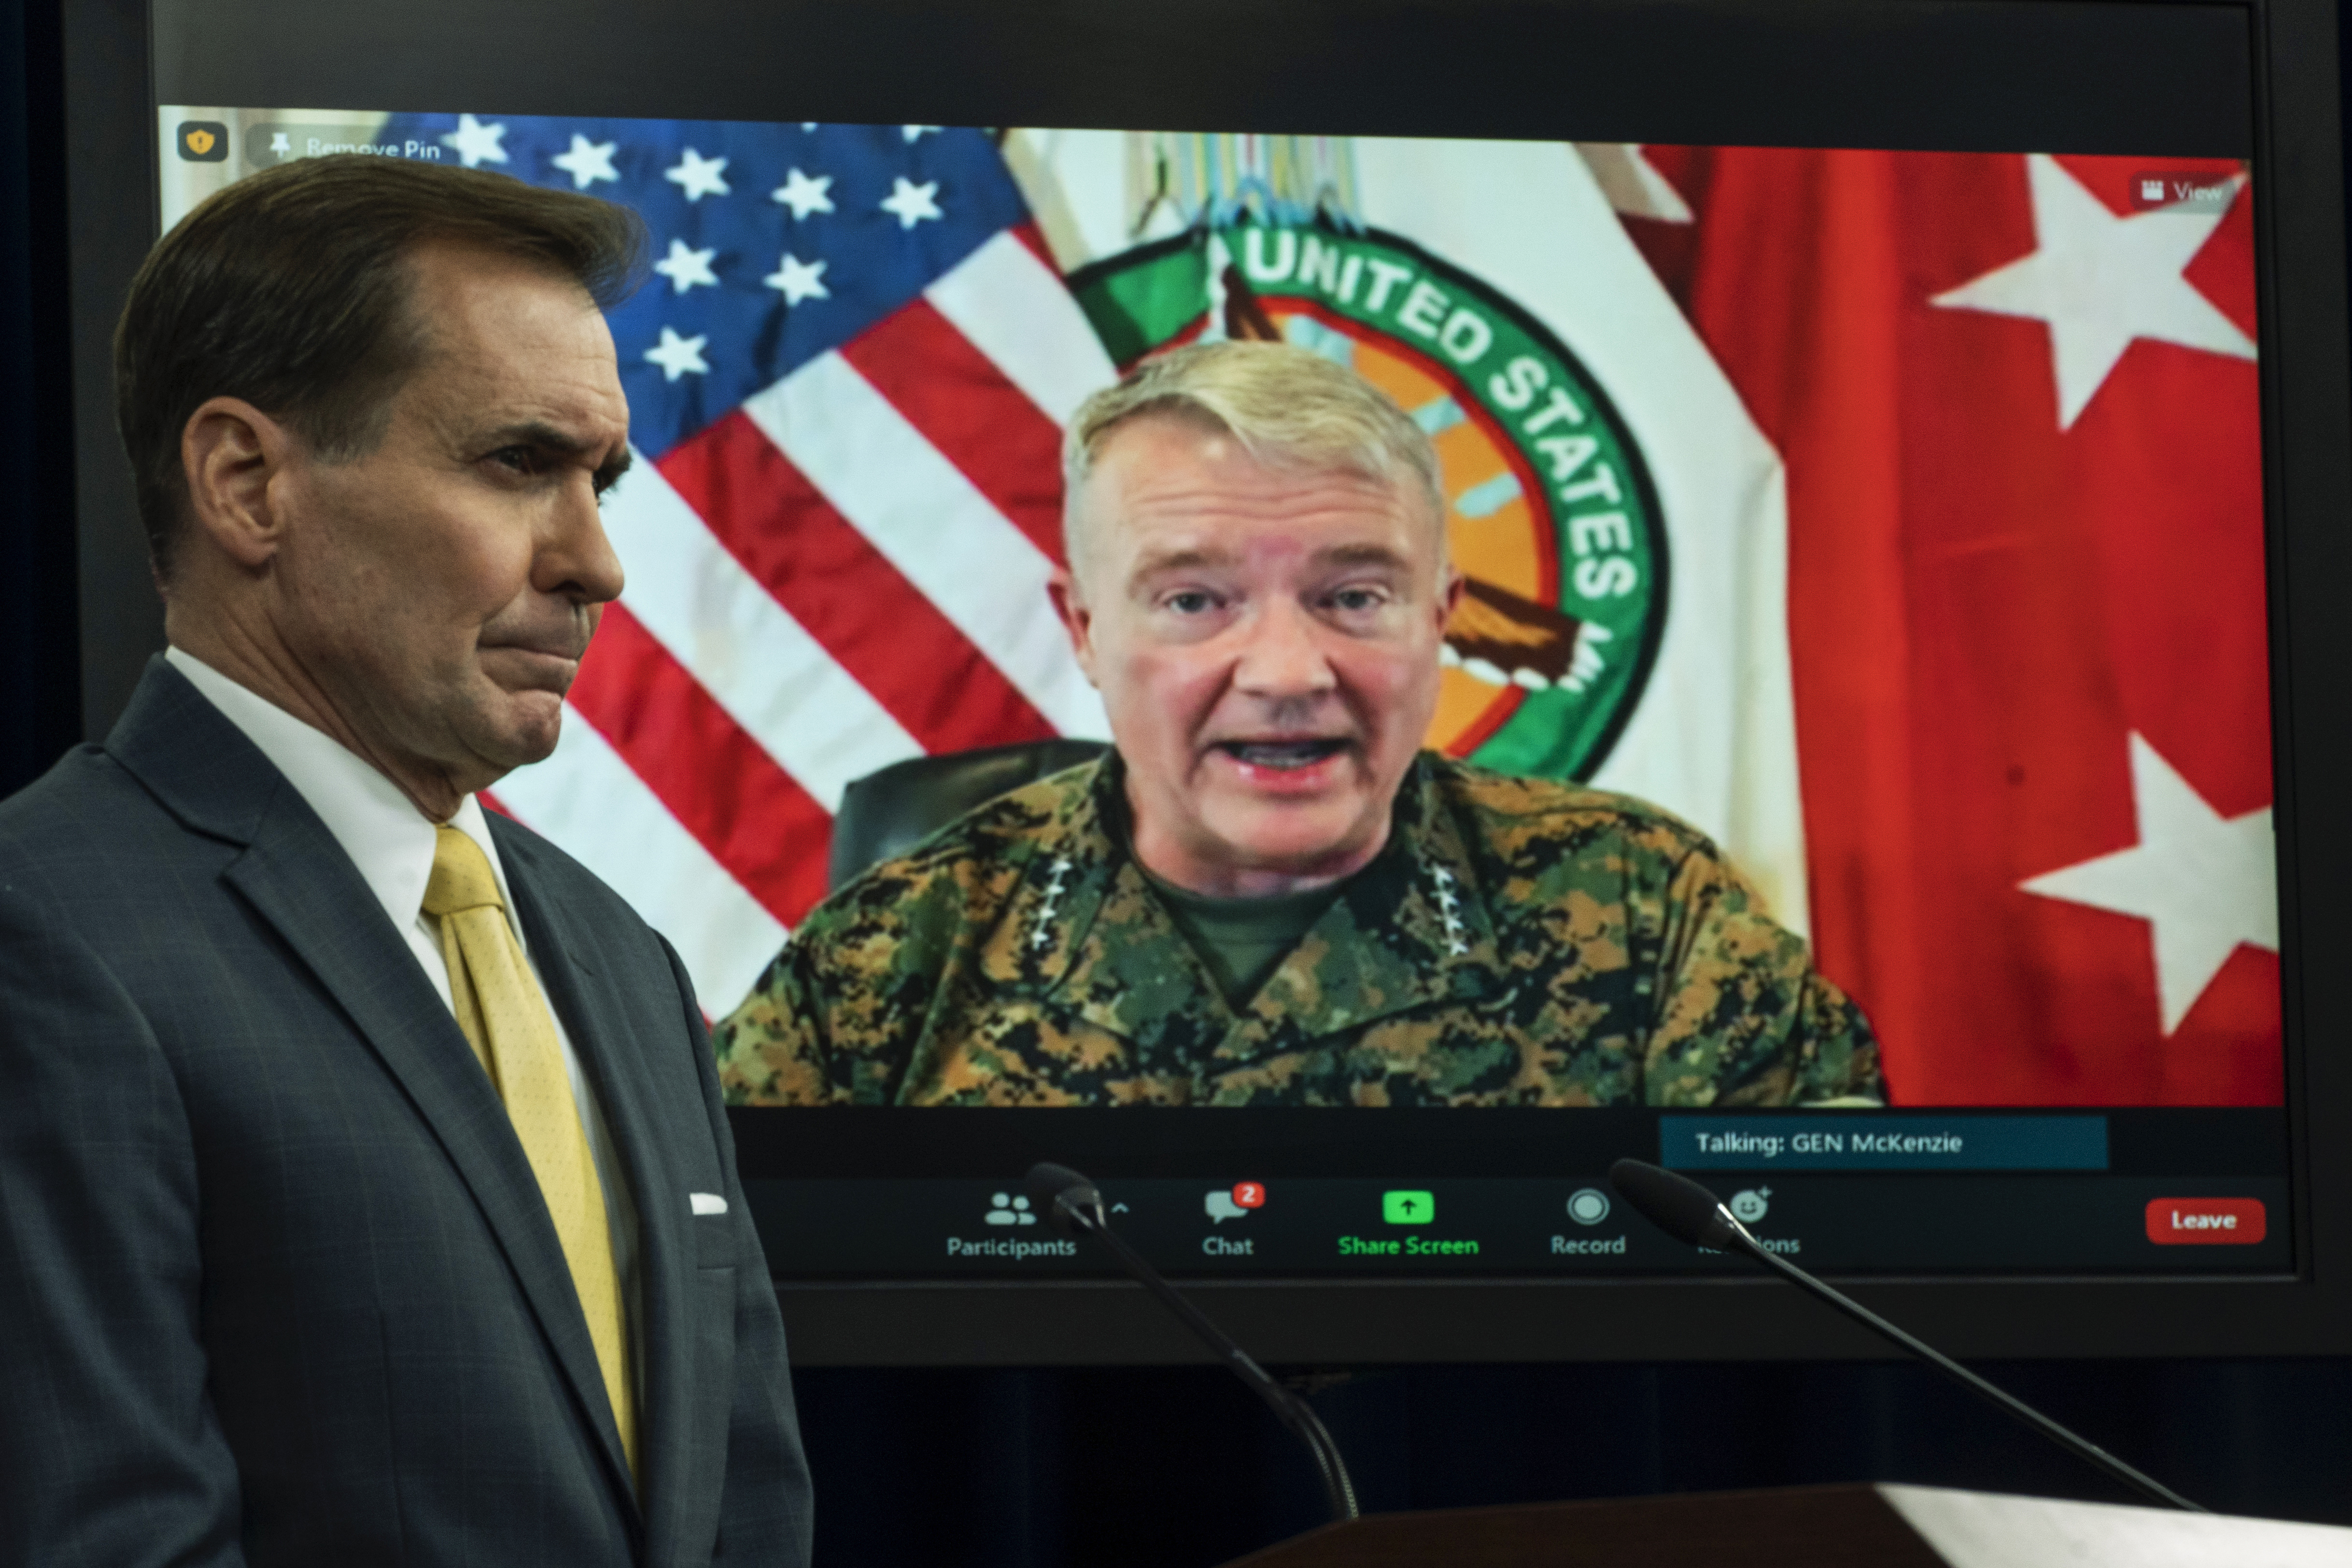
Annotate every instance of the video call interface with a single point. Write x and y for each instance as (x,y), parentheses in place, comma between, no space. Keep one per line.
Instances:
(1895,519)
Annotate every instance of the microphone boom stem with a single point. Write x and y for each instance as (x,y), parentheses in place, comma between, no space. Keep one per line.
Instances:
(2082,1447)
(1338,1489)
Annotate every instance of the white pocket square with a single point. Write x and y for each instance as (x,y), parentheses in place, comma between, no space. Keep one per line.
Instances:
(706,1203)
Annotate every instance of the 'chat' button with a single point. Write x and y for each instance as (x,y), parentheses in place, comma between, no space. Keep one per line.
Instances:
(2206,1221)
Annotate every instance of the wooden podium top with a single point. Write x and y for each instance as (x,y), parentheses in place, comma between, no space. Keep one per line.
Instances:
(1813,1527)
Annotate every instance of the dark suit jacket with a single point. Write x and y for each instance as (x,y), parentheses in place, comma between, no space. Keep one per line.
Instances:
(276,1285)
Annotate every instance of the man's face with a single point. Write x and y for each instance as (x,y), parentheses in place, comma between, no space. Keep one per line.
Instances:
(441,590)
(1267,645)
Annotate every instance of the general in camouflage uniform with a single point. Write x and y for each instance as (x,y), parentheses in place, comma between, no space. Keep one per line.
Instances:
(1518,943)
(1268,895)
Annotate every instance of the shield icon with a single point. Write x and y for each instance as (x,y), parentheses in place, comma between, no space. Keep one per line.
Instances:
(203,140)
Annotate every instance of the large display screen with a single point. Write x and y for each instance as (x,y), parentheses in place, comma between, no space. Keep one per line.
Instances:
(1895,518)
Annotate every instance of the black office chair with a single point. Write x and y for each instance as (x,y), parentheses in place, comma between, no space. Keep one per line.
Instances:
(892,810)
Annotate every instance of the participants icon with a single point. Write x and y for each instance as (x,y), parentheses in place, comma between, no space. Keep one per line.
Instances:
(1015,1212)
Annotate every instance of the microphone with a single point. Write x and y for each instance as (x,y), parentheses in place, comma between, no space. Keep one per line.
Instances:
(1688,1212)
(1075,1206)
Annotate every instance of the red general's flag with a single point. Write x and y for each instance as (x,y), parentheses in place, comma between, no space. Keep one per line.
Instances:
(2017,401)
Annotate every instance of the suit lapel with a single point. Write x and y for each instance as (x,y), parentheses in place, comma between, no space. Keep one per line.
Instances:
(565,951)
(298,879)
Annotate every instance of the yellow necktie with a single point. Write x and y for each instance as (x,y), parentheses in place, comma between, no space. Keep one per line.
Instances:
(499,1006)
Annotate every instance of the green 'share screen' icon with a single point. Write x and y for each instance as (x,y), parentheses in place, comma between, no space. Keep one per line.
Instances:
(1408,1208)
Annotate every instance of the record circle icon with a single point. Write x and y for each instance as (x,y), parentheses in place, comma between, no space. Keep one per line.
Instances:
(1587,1206)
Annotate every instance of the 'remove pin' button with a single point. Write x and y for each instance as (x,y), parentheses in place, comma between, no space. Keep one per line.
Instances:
(2206,1221)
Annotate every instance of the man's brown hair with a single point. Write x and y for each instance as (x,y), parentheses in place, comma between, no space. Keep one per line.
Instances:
(291,289)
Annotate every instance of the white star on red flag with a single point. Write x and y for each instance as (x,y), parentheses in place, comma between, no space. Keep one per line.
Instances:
(2100,281)
(2204,883)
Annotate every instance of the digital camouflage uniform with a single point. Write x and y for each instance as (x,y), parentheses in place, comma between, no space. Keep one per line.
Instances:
(1520,942)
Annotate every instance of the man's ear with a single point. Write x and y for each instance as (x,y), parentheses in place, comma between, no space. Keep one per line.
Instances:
(230,452)
(1449,594)
(1070,604)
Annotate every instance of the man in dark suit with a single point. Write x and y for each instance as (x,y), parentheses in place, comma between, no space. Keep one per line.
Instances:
(365,1195)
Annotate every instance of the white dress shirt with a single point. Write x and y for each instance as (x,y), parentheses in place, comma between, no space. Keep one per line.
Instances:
(390,843)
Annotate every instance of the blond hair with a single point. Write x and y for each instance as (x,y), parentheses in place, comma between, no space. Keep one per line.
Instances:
(1288,408)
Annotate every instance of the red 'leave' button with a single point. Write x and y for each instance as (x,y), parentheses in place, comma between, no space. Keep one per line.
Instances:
(2206,1221)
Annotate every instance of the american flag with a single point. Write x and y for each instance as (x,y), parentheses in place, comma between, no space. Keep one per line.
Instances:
(848,380)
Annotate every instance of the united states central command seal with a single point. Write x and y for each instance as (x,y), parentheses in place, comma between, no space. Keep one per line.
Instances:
(1551,514)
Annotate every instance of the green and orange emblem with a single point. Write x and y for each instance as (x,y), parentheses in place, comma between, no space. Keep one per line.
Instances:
(1551,514)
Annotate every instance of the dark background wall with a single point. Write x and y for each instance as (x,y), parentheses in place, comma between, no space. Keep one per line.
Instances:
(40,704)
(1180,1466)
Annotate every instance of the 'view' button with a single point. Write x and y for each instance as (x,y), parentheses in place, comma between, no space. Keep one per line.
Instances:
(2206,1221)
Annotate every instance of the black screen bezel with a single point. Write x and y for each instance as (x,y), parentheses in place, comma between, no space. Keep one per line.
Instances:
(963,61)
